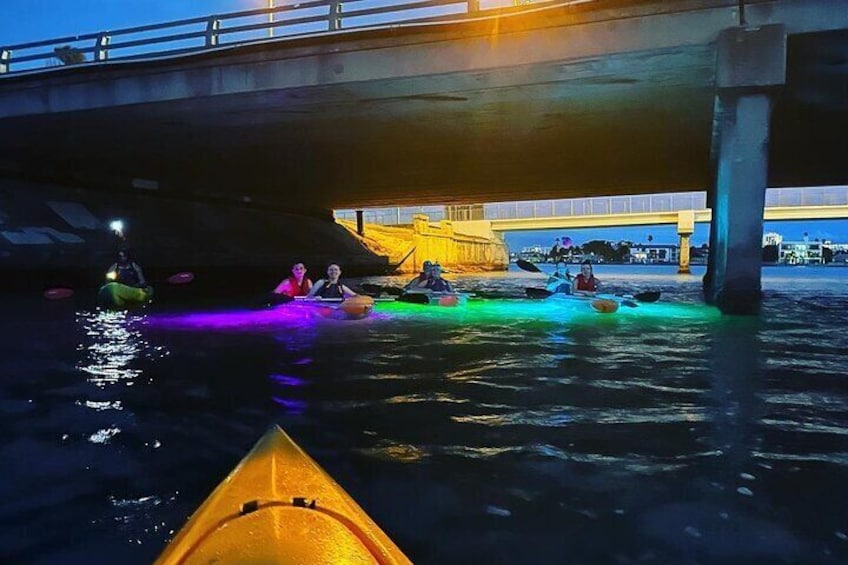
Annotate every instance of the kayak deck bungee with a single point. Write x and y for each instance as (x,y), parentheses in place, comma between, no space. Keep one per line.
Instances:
(117,296)
(279,506)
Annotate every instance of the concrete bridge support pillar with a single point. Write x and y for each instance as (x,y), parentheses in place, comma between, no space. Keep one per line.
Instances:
(685,229)
(750,63)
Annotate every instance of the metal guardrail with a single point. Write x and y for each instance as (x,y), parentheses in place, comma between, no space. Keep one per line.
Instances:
(248,26)
(607,205)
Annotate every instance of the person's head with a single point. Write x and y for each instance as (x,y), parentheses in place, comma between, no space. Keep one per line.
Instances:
(437,270)
(123,257)
(298,270)
(586,268)
(427,267)
(333,271)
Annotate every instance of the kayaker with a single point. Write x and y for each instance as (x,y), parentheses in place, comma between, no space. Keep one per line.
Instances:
(331,287)
(559,281)
(422,278)
(298,284)
(126,271)
(585,283)
(436,283)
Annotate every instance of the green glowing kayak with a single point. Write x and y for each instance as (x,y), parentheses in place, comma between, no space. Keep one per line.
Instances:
(117,296)
(280,506)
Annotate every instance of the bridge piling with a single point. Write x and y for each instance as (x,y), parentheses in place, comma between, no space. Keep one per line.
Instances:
(750,63)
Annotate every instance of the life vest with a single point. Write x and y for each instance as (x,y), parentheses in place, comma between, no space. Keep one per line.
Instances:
(126,274)
(331,290)
(295,289)
(589,284)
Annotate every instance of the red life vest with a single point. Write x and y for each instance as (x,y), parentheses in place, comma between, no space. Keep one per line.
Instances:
(586,284)
(298,290)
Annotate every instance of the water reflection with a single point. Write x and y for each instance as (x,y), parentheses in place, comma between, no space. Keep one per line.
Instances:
(112,342)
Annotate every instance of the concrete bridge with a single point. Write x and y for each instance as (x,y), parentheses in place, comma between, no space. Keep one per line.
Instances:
(559,100)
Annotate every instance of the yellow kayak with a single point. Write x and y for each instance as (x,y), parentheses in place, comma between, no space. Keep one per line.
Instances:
(280,506)
(117,296)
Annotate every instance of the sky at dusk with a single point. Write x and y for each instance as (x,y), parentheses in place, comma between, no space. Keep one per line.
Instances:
(32,20)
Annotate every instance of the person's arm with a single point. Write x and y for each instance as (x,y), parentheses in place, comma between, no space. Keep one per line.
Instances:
(347,292)
(283,288)
(112,273)
(448,287)
(314,290)
(141,281)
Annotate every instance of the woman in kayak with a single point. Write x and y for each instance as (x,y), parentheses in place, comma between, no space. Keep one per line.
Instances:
(436,283)
(559,282)
(126,271)
(298,284)
(331,287)
(585,283)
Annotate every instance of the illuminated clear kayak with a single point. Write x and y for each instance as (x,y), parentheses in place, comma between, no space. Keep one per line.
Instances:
(117,296)
(280,506)
(603,304)
(353,308)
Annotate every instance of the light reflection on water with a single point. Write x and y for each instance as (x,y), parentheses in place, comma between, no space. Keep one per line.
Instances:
(511,430)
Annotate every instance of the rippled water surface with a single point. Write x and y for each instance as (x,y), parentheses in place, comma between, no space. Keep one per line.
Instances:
(506,431)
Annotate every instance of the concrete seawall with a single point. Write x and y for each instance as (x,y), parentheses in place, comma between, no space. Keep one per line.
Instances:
(52,234)
(458,246)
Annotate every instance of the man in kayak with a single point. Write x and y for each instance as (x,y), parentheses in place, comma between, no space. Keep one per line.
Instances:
(331,287)
(436,283)
(560,282)
(298,284)
(422,278)
(585,283)
(126,271)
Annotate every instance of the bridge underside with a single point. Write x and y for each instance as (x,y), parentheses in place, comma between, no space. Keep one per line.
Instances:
(566,125)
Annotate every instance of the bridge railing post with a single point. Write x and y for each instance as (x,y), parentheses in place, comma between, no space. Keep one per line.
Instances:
(213,25)
(335,16)
(5,57)
(101,47)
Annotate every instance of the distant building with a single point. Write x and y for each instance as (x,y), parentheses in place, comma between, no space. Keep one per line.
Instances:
(772,238)
(800,252)
(654,253)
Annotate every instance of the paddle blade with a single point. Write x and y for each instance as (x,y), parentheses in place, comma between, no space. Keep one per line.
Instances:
(527,266)
(414,298)
(181,278)
(648,296)
(538,293)
(58,293)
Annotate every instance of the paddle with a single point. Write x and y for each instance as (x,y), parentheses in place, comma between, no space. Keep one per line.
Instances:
(541,293)
(528,266)
(59,293)
(646,296)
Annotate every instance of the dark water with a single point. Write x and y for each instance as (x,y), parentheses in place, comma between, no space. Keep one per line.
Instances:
(510,432)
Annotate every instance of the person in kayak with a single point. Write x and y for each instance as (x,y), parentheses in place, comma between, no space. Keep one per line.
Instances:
(126,271)
(331,287)
(298,284)
(560,282)
(436,283)
(422,278)
(585,283)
